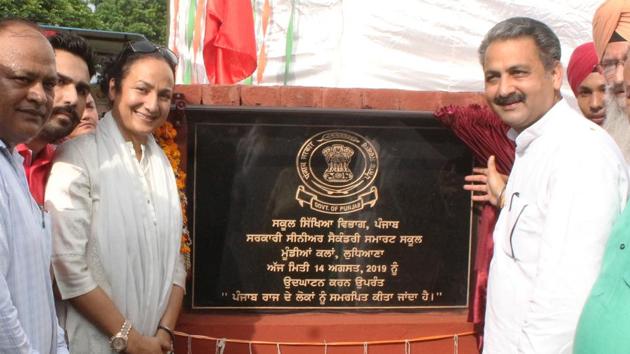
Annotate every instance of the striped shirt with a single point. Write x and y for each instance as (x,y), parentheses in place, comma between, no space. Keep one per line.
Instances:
(28,323)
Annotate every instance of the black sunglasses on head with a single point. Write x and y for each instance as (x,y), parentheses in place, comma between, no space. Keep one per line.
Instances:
(146,47)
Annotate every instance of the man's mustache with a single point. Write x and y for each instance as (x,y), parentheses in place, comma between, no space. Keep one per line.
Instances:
(74,117)
(509,99)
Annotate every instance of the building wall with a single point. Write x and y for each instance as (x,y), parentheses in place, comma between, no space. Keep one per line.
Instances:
(319,97)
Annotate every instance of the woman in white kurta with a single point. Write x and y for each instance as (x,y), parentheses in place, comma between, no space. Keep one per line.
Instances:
(116,216)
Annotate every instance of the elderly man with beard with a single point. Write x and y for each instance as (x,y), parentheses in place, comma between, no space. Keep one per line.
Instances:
(604,325)
(550,236)
(74,63)
(611,31)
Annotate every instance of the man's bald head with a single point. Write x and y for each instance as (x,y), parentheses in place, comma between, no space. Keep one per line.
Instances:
(6,23)
(27,80)
(18,30)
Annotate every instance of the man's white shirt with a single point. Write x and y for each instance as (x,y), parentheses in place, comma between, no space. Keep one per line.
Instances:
(568,184)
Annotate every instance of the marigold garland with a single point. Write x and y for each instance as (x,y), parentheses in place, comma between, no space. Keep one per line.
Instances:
(165,136)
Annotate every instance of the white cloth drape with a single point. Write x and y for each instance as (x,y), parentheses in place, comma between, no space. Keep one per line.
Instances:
(140,275)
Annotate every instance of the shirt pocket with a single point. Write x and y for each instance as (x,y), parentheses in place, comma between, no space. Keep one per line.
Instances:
(522,239)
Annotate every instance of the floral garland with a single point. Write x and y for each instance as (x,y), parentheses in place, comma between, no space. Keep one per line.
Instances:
(165,136)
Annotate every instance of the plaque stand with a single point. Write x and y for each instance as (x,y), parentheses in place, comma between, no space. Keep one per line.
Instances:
(320,327)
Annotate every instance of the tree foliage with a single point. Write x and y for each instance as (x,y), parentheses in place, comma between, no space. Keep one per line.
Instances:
(148,17)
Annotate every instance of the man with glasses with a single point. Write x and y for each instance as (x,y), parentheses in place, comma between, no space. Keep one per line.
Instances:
(611,31)
(605,321)
(562,196)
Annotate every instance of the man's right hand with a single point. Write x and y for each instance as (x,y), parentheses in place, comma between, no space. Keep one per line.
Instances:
(487,184)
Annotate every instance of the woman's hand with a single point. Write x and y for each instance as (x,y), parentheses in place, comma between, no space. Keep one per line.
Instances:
(139,344)
(488,182)
(165,341)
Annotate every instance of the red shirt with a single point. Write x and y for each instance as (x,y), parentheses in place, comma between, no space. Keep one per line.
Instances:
(37,169)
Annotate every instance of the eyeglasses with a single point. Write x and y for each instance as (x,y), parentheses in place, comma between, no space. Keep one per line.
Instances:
(146,47)
(609,67)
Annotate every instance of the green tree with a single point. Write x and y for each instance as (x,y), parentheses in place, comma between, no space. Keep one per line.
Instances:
(69,13)
(147,17)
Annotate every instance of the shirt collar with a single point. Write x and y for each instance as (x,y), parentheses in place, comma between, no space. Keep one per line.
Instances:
(44,156)
(537,129)
(132,150)
(11,153)
(5,149)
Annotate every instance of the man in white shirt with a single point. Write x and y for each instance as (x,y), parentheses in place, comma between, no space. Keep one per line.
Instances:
(567,186)
(28,323)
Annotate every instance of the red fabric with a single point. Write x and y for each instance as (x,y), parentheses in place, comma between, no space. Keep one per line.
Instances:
(483,255)
(582,63)
(482,131)
(485,244)
(485,134)
(229,49)
(37,169)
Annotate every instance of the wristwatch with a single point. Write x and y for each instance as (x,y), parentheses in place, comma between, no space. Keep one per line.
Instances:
(118,342)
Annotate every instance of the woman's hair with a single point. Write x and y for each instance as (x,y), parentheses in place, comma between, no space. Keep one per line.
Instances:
(118,68)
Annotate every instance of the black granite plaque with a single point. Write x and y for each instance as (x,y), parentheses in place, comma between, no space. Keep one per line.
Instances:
(314,209)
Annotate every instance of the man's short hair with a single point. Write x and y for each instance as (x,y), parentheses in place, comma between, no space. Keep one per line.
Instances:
(76,45)
(517,27)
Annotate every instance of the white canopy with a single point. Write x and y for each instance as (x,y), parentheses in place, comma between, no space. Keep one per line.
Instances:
(428,45)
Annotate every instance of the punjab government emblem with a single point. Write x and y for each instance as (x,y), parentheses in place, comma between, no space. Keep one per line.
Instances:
(337,169)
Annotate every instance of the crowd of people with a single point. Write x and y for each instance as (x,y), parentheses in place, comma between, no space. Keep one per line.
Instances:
(93,200)
(96,200)
(557,280)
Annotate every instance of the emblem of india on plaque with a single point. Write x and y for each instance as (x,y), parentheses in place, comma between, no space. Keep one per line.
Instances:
(337,169)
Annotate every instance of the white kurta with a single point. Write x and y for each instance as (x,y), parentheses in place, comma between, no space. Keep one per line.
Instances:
(568,184)
(116,225)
